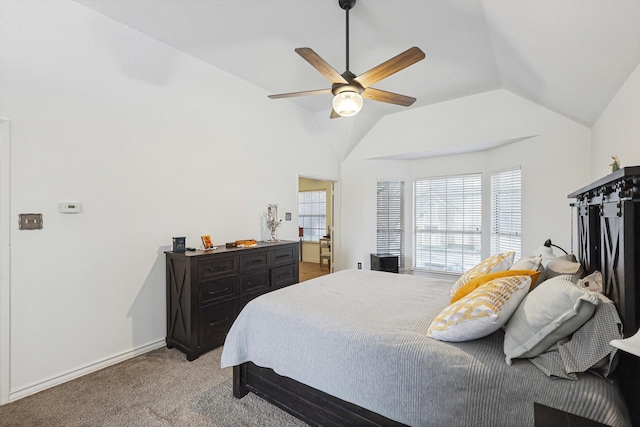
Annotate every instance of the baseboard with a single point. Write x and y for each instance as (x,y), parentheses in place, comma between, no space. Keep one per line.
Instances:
(77,373)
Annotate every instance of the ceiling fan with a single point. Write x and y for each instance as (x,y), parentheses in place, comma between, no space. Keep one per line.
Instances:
(348,90)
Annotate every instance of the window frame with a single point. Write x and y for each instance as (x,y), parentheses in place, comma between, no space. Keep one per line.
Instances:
(506,211)
(461,237)
(388,216)
(311,233)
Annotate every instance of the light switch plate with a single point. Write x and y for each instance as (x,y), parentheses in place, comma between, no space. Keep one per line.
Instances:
(30,221)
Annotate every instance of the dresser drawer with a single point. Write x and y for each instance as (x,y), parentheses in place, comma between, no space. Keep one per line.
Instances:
(284,256)
(284,276)
(212,290)
(251,283)
(252,261)
(215,322)
(216,266)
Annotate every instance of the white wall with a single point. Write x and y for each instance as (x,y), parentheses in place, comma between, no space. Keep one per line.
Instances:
(154,144)
(554,162)
(617,131)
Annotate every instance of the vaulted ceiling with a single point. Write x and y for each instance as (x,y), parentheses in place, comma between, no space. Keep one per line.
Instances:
(570,56)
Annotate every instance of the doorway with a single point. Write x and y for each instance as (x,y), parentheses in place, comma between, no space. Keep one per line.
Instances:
(316,220)
(5,264)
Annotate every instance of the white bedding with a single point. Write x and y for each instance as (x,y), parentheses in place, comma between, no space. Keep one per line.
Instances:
(360,336)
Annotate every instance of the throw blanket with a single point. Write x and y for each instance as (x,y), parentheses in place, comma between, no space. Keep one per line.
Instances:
(360,336)
(587,347)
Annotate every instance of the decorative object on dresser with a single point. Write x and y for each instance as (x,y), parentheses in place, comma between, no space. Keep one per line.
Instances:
(273,222)
(179,244)
(207,243)
(207,289)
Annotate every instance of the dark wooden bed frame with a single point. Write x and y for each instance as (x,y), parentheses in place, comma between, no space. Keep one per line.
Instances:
(608,227)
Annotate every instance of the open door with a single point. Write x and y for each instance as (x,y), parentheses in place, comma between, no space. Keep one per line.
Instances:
(316,216)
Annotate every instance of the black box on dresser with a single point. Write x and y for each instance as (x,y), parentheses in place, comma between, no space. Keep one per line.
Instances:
(206,290)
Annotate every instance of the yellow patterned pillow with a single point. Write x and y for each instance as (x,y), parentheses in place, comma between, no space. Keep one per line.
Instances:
(498,262)
(476,282)
(482,312)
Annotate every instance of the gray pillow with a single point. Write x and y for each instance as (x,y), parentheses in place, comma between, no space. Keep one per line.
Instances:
(552,311)
(565,264)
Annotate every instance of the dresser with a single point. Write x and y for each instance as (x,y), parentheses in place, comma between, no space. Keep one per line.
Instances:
(207,290)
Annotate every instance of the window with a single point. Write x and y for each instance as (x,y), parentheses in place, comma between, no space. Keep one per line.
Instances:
(448,221)
(312,214)
(390,222)
(506,211)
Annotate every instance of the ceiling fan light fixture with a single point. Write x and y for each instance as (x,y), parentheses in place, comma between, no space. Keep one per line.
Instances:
(347,103)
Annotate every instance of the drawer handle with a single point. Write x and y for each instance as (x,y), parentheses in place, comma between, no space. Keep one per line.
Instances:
(253,261)
(282,256)
(212,268)
(249,283)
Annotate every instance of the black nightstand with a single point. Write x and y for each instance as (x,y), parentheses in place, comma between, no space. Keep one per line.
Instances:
(384,262)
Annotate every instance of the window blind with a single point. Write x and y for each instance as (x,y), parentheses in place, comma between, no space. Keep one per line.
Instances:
(312,214)
(448,222)
(390,219)
(506,212)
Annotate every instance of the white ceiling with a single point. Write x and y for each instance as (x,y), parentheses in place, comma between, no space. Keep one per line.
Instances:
(570,56)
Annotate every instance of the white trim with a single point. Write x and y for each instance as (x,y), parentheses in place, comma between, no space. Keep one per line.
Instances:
(77,373)
(5,261)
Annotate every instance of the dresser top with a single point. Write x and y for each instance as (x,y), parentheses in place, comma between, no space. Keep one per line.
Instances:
(223,249)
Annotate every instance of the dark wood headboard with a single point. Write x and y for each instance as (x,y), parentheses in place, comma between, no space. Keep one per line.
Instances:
(608,214)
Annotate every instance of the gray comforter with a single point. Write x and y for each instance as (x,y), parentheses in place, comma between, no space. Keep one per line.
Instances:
(360,336)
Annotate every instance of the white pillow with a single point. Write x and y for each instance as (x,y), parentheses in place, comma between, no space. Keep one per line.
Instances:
(555,309)
(482,312)
(529,263)
(494,263)
(592,282)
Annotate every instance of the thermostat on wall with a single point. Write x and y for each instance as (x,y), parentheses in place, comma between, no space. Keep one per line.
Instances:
(69,207)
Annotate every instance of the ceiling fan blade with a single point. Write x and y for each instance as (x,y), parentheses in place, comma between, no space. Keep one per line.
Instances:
(392,66)
(389,97)
(321,65)
(334,115)
(304,93)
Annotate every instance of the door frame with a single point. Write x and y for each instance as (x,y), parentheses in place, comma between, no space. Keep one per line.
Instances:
(334,226)
(5,261)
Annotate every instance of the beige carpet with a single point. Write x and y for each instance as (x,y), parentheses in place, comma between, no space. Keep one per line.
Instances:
(159,388)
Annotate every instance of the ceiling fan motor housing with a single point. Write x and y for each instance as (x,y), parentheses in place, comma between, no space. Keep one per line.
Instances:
(351,86)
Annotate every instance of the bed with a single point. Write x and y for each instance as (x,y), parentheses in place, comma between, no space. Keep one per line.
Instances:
(373,352)
(351,348)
